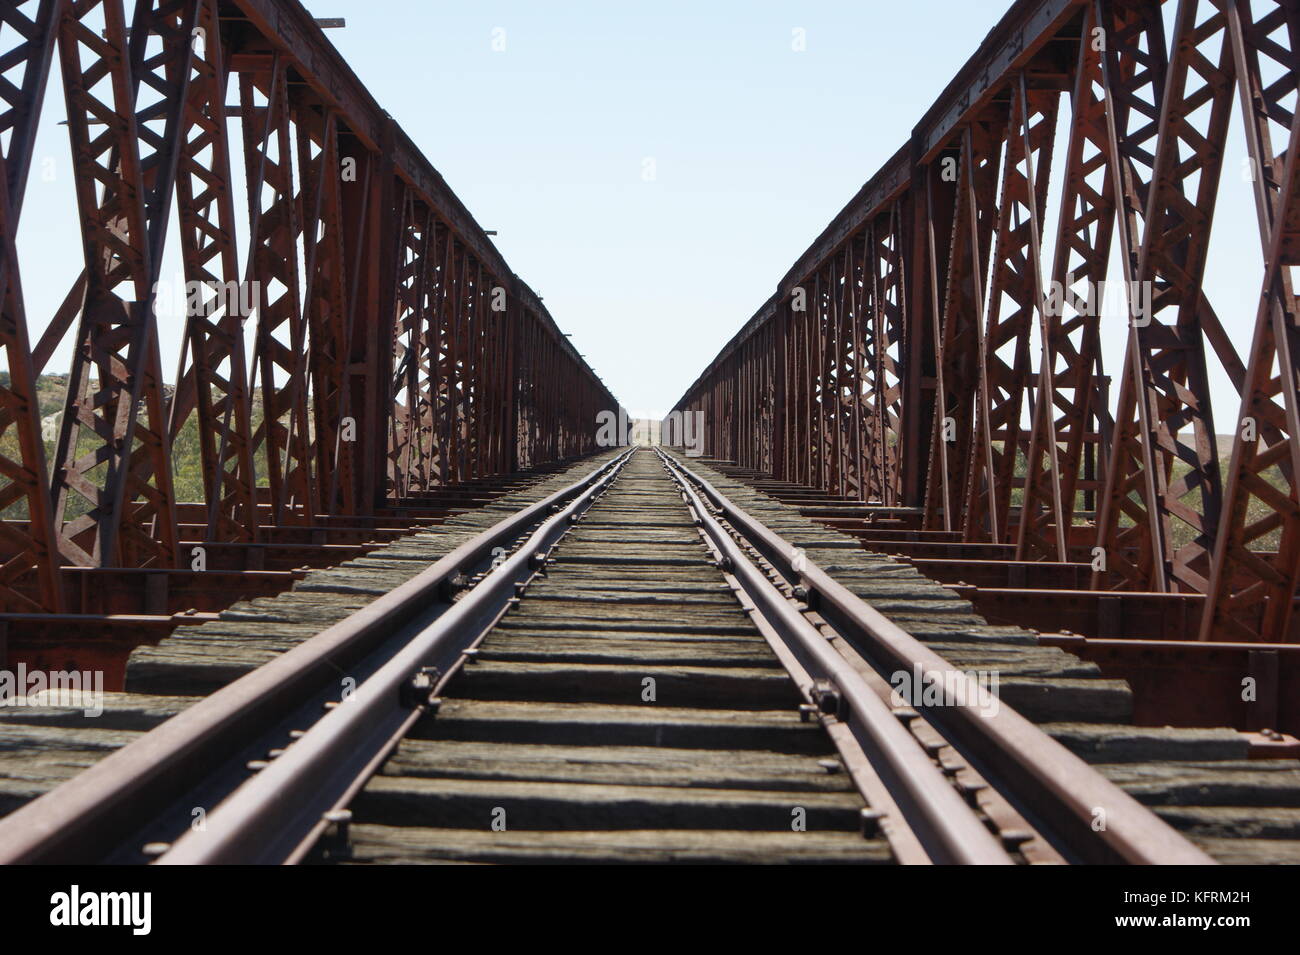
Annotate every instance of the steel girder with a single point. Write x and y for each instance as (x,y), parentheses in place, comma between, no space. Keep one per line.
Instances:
(1015,299)
(31,548)
(380,363)
(958,314)
(1252,588)
(1164,414)
(212,379)
(1070,420)
(280,374)
(1000,415)
(743,394)
(886,317)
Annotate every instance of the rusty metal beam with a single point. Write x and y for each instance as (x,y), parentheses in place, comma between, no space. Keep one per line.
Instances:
(295,436)
(999,412)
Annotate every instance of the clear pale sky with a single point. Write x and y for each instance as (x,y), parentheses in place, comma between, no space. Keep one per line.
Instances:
(753,146)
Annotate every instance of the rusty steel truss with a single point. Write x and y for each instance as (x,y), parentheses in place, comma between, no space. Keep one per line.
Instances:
(391,348)
(935,349)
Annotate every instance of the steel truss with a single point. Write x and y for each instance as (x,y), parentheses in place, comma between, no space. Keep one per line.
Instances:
(922,353)
(393,352)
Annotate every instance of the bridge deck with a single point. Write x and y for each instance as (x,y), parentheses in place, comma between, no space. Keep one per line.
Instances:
(627,708)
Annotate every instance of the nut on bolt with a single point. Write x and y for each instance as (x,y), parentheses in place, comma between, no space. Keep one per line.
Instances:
(418,689)
(869,822)
(1013,839)
(336,842)
(829,699)
(452,585)
(807,594)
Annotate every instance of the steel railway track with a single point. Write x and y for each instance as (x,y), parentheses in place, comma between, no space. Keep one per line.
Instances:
(631,669)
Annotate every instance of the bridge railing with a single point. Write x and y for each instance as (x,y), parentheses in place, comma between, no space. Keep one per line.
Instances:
(936,348)
(350,333)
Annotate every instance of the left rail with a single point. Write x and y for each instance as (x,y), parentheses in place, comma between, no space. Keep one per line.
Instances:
(405,645)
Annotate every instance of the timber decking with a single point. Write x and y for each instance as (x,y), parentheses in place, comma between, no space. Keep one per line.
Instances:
(1200,781)
(549,733)
(42,746)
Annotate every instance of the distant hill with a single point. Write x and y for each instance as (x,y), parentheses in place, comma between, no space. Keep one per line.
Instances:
(50,391)
(187,473)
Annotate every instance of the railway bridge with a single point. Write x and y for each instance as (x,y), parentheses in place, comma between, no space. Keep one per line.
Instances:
(365,574)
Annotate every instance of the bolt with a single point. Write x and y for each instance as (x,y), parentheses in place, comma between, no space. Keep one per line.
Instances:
(418,688)
(829,700)
(1012,839)
(336,842)
(869,822)
(971,790)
